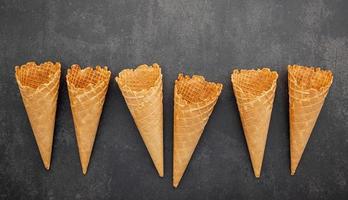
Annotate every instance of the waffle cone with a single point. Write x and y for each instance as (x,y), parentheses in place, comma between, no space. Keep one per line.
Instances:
(38,85)
(142,91)
(254,91)
(308,87)
(194,101)
(87,89)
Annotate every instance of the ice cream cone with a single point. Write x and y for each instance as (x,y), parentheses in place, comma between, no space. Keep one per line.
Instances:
(87,89)
(194,101)
(142,91)
(308,87)
(254,91)
(38,85)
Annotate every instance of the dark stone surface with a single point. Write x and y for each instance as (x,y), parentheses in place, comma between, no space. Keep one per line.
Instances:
(190,36)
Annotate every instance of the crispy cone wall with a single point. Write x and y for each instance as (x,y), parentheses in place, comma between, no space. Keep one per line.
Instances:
(194,101)
(308,87)
(87,89)
(254,91)
(142,91)
(38,85)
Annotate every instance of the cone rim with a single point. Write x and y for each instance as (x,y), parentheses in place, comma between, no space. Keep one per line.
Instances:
(271,86)
(32,64)
(104,70)
(213,97)
(295,67)
(120,79)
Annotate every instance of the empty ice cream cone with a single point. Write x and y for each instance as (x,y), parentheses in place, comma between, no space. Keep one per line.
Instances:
(142,91)
(194,101)
(87,89)
(308,87)
(254,91)
(38,85)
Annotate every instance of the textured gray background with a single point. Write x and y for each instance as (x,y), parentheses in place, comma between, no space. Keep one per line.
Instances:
(195,37)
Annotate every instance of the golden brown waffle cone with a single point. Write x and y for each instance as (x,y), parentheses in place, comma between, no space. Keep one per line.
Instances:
(254,91)
(87,89)
(142,91)
(308,87)
(194,101)
(38,85)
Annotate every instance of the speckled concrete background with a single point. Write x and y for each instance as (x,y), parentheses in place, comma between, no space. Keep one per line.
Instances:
(202,37)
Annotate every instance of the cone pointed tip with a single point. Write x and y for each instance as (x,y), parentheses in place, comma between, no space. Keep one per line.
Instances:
(257,173)
(175,182)
(47,167)
(160,174)
(293,168)
(84,171)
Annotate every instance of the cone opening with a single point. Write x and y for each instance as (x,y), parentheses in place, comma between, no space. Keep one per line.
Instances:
(253,83)
(33,75)
(81,78)
(196,89)
(308,78)
(143,77)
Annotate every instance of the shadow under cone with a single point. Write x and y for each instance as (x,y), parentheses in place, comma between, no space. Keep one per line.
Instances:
(194,101)
(308,87)
(87,89)
(142,91)
(38,85)
(254,91)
